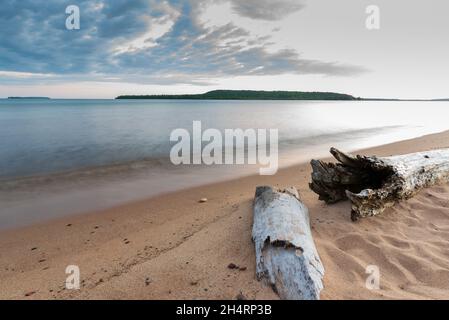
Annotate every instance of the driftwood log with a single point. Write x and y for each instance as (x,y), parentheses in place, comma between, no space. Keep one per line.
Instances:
(373,184)
(286,256)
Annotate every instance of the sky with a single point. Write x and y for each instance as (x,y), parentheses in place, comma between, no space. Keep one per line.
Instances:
(193,46)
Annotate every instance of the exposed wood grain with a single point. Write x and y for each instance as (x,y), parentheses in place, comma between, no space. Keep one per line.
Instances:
(286,256)
(372,183)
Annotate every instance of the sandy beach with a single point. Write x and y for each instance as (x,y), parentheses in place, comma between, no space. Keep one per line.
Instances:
(173,247)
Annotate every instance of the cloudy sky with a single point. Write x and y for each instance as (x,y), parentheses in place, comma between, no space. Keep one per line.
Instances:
(187,46)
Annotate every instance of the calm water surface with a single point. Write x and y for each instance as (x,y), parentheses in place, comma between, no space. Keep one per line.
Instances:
(60,157)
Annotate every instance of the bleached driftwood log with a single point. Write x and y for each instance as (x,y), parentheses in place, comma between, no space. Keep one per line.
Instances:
(373,184)
(286,256)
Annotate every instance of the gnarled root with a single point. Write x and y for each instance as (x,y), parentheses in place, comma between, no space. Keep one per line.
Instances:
(373,184)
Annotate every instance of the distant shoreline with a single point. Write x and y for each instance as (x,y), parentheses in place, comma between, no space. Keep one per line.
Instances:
(243,95)
(247,95)
(263,95)
(30,98)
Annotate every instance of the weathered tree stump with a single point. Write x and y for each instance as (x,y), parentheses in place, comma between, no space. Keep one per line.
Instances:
(286,256)
(373,184)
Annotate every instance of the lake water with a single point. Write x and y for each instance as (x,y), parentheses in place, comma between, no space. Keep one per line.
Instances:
(59,157)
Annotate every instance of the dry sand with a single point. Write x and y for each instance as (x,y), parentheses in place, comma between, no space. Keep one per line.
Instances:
(173,247)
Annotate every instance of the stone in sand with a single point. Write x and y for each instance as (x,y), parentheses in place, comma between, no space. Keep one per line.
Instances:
(232,266)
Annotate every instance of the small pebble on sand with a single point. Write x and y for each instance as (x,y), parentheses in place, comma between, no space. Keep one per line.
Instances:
(241,296)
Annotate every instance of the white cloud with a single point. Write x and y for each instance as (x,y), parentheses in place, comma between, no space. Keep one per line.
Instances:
(24,75)
(158,27)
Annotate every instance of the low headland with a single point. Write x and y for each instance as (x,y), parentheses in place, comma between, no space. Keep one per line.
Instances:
(248,95)
(264,95)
